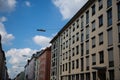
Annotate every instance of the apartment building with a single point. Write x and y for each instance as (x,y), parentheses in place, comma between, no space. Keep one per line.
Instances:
(88,46)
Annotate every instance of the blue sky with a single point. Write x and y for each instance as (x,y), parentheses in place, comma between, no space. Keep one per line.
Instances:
(19,20)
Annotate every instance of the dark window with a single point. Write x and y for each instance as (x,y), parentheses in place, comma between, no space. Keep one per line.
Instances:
(73,51)
(87,32)
(73,39)
(100,38)
(87,47)
(94,76)
(93,9)
(77,49)
(82,22)
(118,5)
(101,56)
(77,23)
(93,42)
(100,20)
(93,59)
(66,66)
(73,64)
(77,77)
(87,63)
(77,36)
(82,76)
(100,4)
(87,17)
(93,25)
(110,37)
(87,76)
(82,36)
(110,57)
(82,49)
(109,3)
(82,64)
(77,63)
(111,74)
(69,67)
(109,17)
(73,27)
(63,67)
(119,33)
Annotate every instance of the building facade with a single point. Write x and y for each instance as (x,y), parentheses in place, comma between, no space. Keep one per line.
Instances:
(89,44)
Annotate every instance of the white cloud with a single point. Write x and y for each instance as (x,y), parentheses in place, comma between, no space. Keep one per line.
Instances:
(7,5)
(6,38)
(42,41)
(69,7)
(18,60)
(27,3)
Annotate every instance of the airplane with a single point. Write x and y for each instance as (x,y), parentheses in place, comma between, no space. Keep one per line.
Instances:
(42,30)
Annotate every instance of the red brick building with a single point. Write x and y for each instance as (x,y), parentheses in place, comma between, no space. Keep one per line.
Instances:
(44,64)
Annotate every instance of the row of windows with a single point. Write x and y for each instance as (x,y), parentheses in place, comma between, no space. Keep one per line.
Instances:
(87,76)
(76,64)
(109,20)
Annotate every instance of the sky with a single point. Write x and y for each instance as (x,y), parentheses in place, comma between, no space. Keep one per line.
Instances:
(19,21)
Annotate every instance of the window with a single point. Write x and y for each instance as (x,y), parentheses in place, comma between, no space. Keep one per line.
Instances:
(100,20)
(100,38)
(93,9)
(109,3)
(87,17)
(82,49)
(118,5)
(110,57)
(87,32)
(77,63)
(67,44)
(77,49)
(73,27)
(94,76)
(66,55)
(119,33)
(101,56)
(63,56)
(77,23)
(77,36)
(111,75)
(73,39)
(77,77)
(66,66)
(82,64)
(73,51)
(110,38)
(73,77)
(82,36)
(82,76)
(73,65)
(93,42)
(87,47)
(66,33)
(69,67)
(87,63)
(82,22)
(93,59)
(109,17)
(93,25)
(100,4)
(63,67)
(87,76)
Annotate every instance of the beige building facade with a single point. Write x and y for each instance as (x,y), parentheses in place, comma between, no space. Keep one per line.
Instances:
(88,46)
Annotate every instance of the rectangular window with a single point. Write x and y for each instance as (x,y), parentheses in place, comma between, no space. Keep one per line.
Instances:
(93,59)
(66,66)
(73,39)
(69,67)
(73,27)
(66,55)
(77,23)
(73,51)
(119,55)
(77,36)
(101,56)
(87,63)
(110,57)
(82,36)
(93,9)
(82,76)
(100,20)
(100,4)
(93,42)
(93,25)
(82,22)
(67,44)
(77,49)
(111,75)
(110,38)
(82,64)
(77,77)
(109,3)
(87,47)
(87,76)
(109,17)
(73,64)
(87,17)
(94,76)
(101,38)
(87,32)
(82,49)
(119,33)
(77,63)
(118,5)
(63,67)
